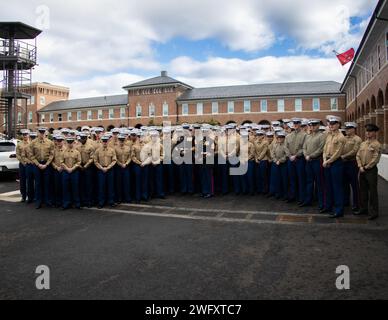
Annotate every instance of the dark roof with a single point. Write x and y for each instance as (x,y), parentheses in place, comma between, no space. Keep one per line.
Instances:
(20,30)
(163,79)
(269,89)
(366,33)
(105,101)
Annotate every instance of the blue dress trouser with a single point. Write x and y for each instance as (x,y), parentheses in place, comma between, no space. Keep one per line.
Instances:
(224,177)
(30,182)
(137,169)
(281,180)
(71,189)
(157,175)
(58,188)
(314,182)
(186,178)
(250,177)
(351,181)
(296,171)
(238,181)
(86,177)
(169,170)
(23,181)
(261,176)
(145,182)
(43,185)
(334,197)
(272,184)
(105,187)
(206,174)
(122,181)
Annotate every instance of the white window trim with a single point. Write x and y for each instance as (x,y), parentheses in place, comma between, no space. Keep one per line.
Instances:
(215,103)
(283,105)
(89,115)
(165,110)
(250,106)
(151,107)
(122,114)
(69,119)
(139,108)
(111,113)
(185,109)
(266,105)
(301,105)
(319,104)
(79,115)
(100,113)
(199,108)
(230,103)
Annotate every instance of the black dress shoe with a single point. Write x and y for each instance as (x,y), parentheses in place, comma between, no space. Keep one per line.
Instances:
(373,217)
(99,207)
(38,206)
(335,216)
(325,211)
(23,200)
(290,200)
(360,212)
(207,196)
(113,205)
(304,205)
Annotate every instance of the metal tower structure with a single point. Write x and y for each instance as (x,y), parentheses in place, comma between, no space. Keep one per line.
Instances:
(17,58)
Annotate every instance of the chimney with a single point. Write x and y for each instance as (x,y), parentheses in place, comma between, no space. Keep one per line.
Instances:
(163,73)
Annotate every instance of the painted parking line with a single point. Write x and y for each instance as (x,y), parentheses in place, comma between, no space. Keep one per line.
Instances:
(12,196)
(278,219)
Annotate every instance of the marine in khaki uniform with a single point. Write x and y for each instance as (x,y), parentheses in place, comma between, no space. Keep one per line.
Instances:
(296,163)
(122,171)
(312,151)
(25,168)
(87,169)
(58,170)
(114,141)
(41,154)
(333,169)
(368,157)
(138,167)
(156,167)
(279,155)
(261,158)
(351,147)
(71,161)
(104,160)
(248,184)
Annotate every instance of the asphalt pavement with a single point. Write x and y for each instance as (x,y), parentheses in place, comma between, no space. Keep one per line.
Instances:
(191,248)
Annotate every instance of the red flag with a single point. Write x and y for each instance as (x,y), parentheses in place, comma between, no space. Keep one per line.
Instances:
(345,57)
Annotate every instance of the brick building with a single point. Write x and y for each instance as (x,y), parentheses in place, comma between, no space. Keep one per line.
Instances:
(42,94)
(163,98)
(366,83)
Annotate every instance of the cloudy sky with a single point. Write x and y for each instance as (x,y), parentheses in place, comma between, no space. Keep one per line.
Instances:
(97,47)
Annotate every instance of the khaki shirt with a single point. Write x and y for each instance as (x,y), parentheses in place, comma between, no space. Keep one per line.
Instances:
(136,150)
(262,148)
(314,144)
(22,152)
(58,157)
(280,152)
(123,154)
(294,142)
(105,157)
(41,151)
(351,147)
(334,146)
(71,158)
(87,152)
(251,151)
(270,148)
(233,145)
(368,156)
(113,143)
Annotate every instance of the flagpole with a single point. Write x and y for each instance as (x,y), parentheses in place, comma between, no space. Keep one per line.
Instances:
(357,64)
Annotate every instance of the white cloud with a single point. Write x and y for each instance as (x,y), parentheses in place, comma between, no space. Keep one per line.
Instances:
(220,71)
(92,45)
